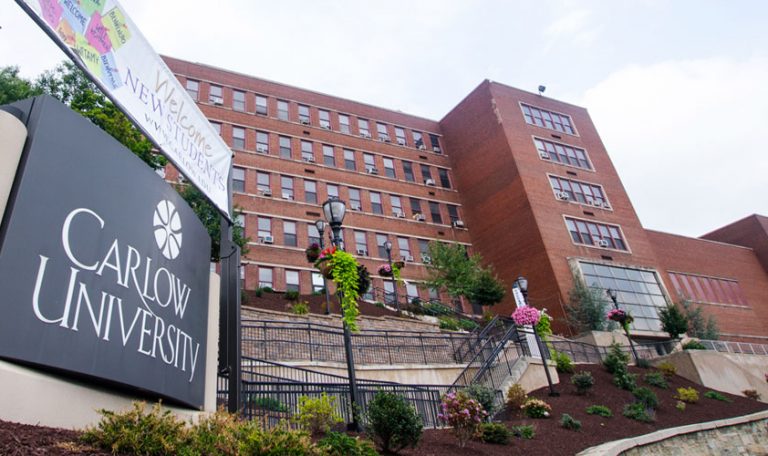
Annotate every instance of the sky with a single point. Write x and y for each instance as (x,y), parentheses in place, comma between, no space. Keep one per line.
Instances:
(678,89)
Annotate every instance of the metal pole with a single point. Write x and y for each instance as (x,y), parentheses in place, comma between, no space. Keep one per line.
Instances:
(325,283)
(230,331)
(544,362)
(394,279)
(624,326)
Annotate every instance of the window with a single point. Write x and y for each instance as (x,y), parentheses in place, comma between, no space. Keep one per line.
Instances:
(370,163)
(285,147)
(349,160)
(262,142)
(426,174)
(381,131)
(376,206)
(548,119)
(562,153)
(289,234)
(318,284)
(434,294)
(238,179)
(325,119)
(265,277)
(282,110)
(638,291)
(445,182)
(286,186)
(418,140)
(193,89)
(265,227)
(238,137)
(329,159)
(408,171)
(238,100)
(423,248)
(216,126)
(434,211)
(291,280)
(397,206)
(310,191)
(434,140)
(389,168)
(312,234)
(581,192)
(708,290)
(333,190)
(361,243)
(411,291)
(362,125)
(344,123)
(355,203)
(261,106)
(389,292)
(453,213)
(240,221)
(304,114)
(380,240)
(415,206)
(590,233)
(262,182)
(214,95)
(404,246)
(307,154)
(400,136)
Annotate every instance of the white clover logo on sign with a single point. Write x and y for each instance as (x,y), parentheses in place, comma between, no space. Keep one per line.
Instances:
(167,223)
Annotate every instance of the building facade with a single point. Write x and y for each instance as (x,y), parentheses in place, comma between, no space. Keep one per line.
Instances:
(522,179)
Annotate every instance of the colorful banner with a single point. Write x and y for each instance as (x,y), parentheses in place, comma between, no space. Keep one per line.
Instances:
(105,43)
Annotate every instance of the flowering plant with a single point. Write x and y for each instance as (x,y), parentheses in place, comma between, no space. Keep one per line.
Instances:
(351,280)
(619,316)
(462,413)
(312,252)
(385,270)
(325,255)
(536,408)
(526,315)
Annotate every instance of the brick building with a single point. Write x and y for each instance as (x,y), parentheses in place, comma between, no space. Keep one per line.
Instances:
(522,179)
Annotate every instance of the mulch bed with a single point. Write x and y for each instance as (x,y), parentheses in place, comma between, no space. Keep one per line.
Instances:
(550,439)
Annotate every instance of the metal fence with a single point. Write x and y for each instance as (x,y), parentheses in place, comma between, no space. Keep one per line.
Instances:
(581,352)
(744,348)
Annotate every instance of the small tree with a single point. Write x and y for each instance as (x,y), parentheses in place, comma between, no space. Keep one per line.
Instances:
(452,269)
(586,308)
(394,423)
(699,325)
(486,288)
(673,321)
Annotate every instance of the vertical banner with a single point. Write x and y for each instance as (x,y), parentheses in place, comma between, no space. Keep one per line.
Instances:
(103,41)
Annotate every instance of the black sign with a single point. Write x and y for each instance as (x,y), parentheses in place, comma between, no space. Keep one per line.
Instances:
(103,267)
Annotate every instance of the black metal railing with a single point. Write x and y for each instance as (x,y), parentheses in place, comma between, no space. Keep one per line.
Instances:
(581,352)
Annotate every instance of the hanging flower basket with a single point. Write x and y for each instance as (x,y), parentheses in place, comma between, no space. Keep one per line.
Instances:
(385,270)
(326,269)
(313,253)
(399,264)
(351,281)
(619,316)
(526,315)
(324,262)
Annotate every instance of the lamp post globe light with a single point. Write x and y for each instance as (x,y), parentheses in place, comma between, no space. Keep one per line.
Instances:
(334,210)
(614,297)
(320,225)
(388,248)
(522,284)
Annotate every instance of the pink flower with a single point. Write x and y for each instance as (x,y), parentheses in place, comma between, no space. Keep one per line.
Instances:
(526,315)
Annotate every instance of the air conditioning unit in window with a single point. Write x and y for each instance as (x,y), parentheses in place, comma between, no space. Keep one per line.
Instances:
(606,205)
(603,243)
(309,159)
(422,147)
(426,259)
(182,179)
(458,224)
(437,149)
(262,148)
(430,182)
(304,121)
(401,141)
(419,217)
(326,126)
(597,203)
(398,214)
(267,240)
(562,196)
(217,100)
(362,252)
(408,258)
(544,155)
(266,193)
(371,170)
(365,135)
(287,196)
(355,207)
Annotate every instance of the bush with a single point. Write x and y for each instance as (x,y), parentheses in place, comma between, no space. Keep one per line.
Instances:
(317,415)
(568,422)
(495,433)
(379,304)
(563,363)
(216,435)
(689,395)
(667,369)
(436,309)
(462,413)
(482,394)
(524,431)
(751,394)
(637,411)
(646,397)
(693,345)
(625,381)
(393,423)
(680,405)
(673,321)
(448,323)
(267,403)
(656,379)
(716,396)
(267,290)
(616,360)
(516,397)
(467,325)
(583,381)
(339,444)
(643,363)
(300,308)
(278,441)
(586,308)
(599,410)
(257,292)
(699,326)
(291,295)
(135,431)
(536,408)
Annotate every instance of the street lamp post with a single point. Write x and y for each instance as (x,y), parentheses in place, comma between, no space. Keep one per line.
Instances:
(320,225)
(614,297)
(388,248)
(334,210)
(522,284)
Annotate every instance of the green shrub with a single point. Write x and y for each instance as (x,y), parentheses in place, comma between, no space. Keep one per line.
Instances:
(448,323)
(673,321)
(317,415)
(257,292)
(467,325)
(563,362)
(436,309)
(643,363)
(319,292)
(524,431)
(637,411)
(583,381)
(689,395)
(339,444)
(693,345)
(751,394)
(568,422)
(393,423)
(536,408)
(267,403)
(482,394)
(656,379)
(646,397)
(625,380)
(716,396)
(616,360)
(495,433)
(379,304)
(291,295)
(516,397)
(279,441)
(667,369)
(599,410)
(680,405)
(218,434)
(300,308)
(136,431)
(267,290)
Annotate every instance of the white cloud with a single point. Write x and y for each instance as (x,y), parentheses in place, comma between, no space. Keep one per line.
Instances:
(574,27)
(686,138)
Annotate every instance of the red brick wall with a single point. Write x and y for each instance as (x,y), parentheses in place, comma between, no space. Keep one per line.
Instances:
(749,232)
